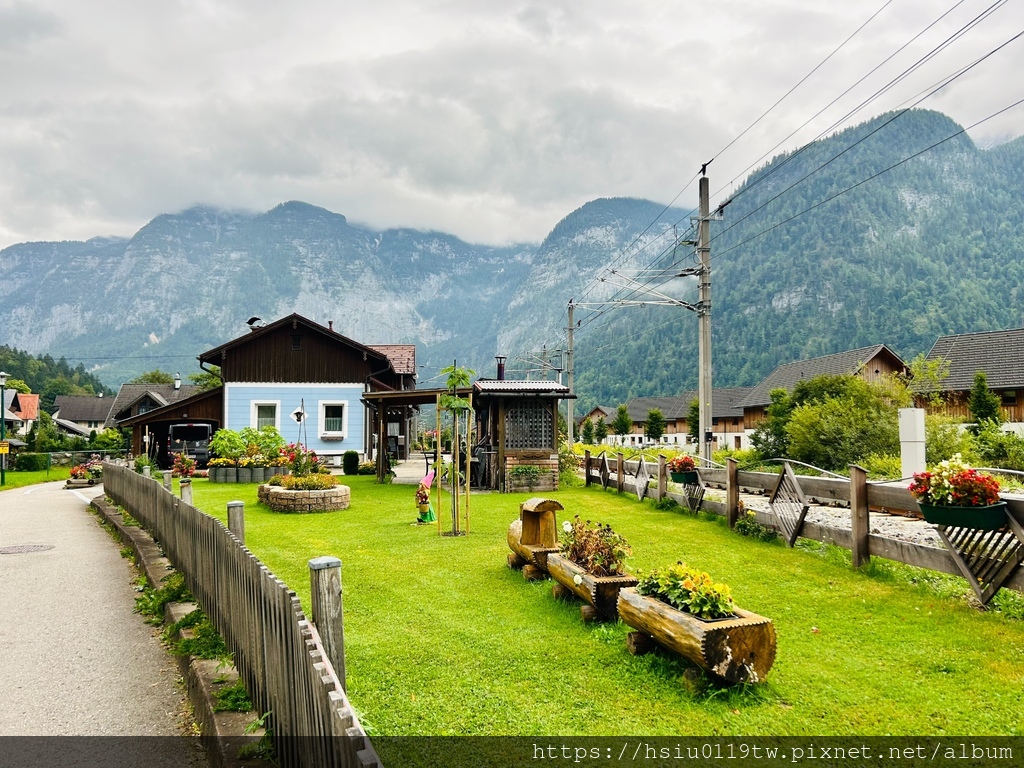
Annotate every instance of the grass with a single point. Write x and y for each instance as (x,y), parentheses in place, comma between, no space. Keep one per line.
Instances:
(443,638)
(21,479)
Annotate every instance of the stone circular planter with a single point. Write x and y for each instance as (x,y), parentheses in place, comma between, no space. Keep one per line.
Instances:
(303,502)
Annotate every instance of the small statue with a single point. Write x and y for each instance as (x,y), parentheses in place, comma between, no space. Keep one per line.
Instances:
(423,500)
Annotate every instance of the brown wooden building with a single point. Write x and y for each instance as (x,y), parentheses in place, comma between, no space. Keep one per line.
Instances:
(870,363)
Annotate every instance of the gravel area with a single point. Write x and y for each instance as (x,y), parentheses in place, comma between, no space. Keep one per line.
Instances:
(891,526)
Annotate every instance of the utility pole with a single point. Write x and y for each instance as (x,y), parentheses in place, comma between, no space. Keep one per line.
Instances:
(568,365)
(704,317)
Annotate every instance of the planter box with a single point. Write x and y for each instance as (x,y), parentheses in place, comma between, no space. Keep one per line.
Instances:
(684,478)
(230,475)
(245,474)
(739,650)
(987,518)
(599,592)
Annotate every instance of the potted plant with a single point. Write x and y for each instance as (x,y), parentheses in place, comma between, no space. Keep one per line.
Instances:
(184,465)
(954,494)
(228,444)
(686,611)
(590,563)
(682,469)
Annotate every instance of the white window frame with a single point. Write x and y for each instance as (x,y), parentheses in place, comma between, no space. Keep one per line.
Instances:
(254,410)
(321,424)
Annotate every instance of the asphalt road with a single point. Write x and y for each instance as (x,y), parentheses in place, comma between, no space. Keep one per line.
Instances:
(74,658)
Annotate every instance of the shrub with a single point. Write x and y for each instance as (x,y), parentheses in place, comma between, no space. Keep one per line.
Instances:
(882,467)
(689,590)
(144,461)
(529,474)
(30,462)
(314,482)
(367,468)
(594,547)
(747,525)
(350,463)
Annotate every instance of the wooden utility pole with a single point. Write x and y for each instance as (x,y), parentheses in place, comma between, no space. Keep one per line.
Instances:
(704,316)
(568,364)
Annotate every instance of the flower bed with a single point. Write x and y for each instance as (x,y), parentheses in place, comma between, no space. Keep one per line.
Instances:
(300,502)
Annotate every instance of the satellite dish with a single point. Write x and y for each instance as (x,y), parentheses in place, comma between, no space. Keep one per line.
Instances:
(299,415)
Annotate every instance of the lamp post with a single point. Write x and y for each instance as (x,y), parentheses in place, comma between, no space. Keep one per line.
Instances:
(3,427)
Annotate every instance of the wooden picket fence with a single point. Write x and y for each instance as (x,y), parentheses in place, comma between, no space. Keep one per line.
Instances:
(277,651)
(967,558)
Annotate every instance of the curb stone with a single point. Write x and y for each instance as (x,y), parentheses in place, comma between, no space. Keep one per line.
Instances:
(222,733)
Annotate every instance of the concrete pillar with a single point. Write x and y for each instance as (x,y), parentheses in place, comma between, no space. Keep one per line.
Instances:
(911,441)
(186,490)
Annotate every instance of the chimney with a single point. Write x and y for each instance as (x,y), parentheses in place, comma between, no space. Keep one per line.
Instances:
(330,325)
(177,381)
(501,366)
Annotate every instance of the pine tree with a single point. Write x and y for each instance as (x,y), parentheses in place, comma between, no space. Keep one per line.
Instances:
(588,432)
(984,403)
(600,430)
(654,427)
(622,424)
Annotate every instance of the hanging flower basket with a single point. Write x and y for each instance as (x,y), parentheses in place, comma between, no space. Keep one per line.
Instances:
(990,517)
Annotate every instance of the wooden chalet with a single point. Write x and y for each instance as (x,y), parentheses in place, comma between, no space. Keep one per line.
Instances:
(727,423)
(288,367)
(1000,354)
(870,363)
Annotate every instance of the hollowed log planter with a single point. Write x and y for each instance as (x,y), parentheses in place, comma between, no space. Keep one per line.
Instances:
(739,650)
(599,593)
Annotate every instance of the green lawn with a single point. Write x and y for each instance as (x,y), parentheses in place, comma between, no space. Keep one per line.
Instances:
(21,479)
(443,638)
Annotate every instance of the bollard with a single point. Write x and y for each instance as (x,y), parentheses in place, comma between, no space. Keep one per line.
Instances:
(236,519)
(147,471)
(328,616)
(186,490)
(167,479)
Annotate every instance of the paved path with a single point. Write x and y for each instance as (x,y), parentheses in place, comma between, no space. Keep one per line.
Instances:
(74,658)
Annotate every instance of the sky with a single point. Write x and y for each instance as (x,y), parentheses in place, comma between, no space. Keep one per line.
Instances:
(490,119)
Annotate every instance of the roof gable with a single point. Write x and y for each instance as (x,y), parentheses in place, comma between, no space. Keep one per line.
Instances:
(788,375)
(83,407)
(1000,354)
(212,356)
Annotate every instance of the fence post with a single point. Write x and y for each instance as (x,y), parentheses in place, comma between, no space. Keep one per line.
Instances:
(167,479)
(186,490)
(586,468)
(620,471)
(147,471)
(732,491)
(328,616)
(860,524)
(236,519)
(662,479)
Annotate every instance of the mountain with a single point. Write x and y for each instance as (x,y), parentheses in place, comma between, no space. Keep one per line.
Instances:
(811,257)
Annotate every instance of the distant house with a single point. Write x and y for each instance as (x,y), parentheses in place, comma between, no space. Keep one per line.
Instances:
(81,414)
(25,407)
(870,363)
(12,420)
(596,413)
(275,372)
(1000,354)
(727,423)
(137,399)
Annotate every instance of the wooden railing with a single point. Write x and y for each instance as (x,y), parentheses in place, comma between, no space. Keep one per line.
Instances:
(278,652)
(857,493)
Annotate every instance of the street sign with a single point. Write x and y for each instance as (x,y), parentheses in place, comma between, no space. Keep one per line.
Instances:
(5,447)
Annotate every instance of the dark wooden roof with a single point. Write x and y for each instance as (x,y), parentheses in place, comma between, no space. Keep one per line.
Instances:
(788,375)
(724,404)
(213,356)
(205,405)
(83,407)
(537,388)
(161,394)
(1000,354)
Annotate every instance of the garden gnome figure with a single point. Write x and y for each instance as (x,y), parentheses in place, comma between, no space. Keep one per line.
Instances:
(423,500)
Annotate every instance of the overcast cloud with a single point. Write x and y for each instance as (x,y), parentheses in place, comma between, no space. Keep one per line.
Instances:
(491,120)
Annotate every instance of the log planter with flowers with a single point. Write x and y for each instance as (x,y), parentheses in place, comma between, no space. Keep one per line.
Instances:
(590,564)
(683,610)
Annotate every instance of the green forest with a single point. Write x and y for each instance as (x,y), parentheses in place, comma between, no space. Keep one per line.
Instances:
(48,377)
(807,263)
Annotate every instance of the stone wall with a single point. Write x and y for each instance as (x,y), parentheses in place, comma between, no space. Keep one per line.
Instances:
(300,502)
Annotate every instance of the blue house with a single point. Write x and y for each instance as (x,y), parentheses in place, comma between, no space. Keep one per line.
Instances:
(302,378)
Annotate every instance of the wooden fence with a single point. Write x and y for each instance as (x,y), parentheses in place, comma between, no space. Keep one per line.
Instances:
(856,493)
(278,652)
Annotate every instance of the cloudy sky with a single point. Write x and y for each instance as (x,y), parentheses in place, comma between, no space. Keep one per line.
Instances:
(490,119)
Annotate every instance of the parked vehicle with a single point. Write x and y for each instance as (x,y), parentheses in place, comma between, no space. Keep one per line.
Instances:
(193,439)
